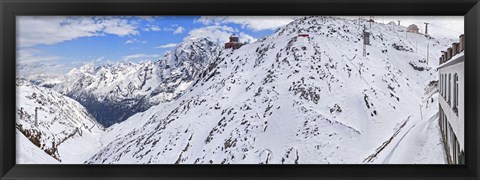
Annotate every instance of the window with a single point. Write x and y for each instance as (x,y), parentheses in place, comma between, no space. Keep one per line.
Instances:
(445,86)
(441,84)
(455,93)
(449,88)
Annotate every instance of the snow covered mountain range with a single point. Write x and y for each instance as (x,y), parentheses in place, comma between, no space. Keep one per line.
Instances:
(284,99)
(112,93)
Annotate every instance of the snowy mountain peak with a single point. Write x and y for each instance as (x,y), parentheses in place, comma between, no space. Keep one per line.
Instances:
(116,91)
(287,99)
(87,68)
(198,51)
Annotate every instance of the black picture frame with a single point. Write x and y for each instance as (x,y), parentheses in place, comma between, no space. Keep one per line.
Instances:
(470,9)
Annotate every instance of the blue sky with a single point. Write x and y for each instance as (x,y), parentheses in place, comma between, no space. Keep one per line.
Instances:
(56,44)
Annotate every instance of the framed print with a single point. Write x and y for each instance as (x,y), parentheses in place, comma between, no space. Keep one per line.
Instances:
(235,90)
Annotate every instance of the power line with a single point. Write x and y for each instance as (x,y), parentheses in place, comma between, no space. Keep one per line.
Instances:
(420,22)
(446,28)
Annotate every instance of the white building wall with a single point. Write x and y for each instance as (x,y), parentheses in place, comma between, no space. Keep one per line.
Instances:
(457,122)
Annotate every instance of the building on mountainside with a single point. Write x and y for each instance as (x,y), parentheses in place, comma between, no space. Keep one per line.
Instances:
(451,101)
(412,28)
(234,43)
(303,35)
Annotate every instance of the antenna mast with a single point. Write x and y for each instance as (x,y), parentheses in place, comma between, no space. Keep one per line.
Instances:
(426,27)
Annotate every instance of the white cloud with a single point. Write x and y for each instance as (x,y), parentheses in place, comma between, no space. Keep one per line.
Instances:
(135,40)
(147,18)
(176,29)
(31,56)
(255,23)
(170,45)
(220,34)
(24,70)
(120,27)
(33,61)
(99,59)
(130,41)
(35,30)
(152,28)
(155,28)
(179,30)
(246,38)
(140,57)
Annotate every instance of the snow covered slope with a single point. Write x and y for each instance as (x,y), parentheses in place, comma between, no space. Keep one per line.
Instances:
(29,153)
(418,139)
(114,92)
(55,124)
(287,99)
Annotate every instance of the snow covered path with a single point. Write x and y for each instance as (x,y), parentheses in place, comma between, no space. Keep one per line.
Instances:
(418,142)
(372,157)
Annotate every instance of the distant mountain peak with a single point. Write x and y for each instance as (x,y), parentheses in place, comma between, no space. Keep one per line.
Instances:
(113,92)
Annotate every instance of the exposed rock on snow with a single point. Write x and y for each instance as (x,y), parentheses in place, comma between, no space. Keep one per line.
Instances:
(50,120)
(286,99)
(114,92)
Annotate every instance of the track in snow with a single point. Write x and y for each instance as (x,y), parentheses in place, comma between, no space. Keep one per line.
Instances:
(372,157)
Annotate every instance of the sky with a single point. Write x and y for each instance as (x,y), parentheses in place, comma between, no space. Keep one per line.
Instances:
(56,44)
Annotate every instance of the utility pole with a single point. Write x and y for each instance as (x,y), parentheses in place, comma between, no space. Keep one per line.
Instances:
(426,27)
(364,50)
(366,40)
(36,117)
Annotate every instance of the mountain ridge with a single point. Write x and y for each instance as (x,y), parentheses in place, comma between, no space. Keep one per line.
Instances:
(123,89)
(287,99)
